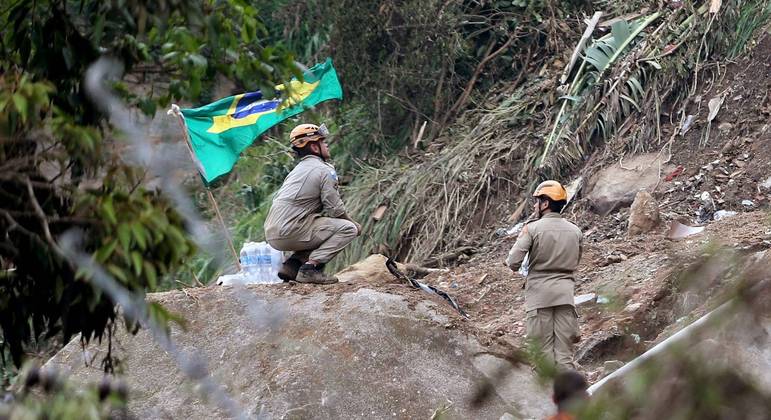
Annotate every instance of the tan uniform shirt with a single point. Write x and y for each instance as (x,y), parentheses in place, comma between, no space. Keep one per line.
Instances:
(307,192)
(554,245)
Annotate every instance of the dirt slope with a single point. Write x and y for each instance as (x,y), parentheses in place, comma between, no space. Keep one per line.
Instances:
(655,285)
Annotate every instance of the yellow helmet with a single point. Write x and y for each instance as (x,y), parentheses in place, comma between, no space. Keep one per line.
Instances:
(306,133)
(551,189)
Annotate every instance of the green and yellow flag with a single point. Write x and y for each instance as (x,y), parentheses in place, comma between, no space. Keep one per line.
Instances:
(221,130)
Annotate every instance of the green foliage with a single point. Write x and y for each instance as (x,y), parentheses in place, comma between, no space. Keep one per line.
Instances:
(599,56)
(44,394)
(61,165)
(679,385)
(750,18)
(621,77)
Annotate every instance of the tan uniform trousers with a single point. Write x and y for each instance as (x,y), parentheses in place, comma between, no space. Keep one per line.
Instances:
(328,237)
(555,329)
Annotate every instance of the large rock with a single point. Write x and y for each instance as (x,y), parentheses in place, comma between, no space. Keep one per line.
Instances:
(372,269)
(644,214)
(340,351)
(616,186)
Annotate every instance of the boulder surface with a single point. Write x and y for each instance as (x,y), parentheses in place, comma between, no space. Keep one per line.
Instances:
(616,186)
(341,351)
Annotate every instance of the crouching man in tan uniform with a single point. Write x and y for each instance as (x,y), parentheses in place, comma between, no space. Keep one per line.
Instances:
(307,216)
(554,248)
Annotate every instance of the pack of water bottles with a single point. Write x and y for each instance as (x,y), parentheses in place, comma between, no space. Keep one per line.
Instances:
(259,264)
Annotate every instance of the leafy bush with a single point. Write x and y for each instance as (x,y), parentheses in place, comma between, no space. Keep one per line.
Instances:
(61,163)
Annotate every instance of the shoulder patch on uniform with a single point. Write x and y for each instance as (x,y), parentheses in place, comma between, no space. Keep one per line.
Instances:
(333,174)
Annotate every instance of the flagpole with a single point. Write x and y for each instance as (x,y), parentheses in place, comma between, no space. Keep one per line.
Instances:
(175,110)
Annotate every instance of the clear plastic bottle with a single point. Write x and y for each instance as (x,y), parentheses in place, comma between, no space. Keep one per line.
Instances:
(276,258)
(244,259)
(254,271)
(265,263)
(259,266)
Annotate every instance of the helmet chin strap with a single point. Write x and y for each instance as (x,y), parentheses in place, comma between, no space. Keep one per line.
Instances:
(318,154)
(538,212)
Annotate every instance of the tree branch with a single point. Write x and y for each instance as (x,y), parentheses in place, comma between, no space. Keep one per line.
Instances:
(43,218)
(470,85)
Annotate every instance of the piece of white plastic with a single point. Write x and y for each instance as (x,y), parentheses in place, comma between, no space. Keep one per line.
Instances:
(722,214)
(525,267)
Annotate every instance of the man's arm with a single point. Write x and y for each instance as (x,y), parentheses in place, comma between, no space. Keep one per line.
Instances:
(330,199)
(330,196)
(519,250)
(348,218)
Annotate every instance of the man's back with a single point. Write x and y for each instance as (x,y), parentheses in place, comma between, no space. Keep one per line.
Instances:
(554,248)
(308,190)
(556,245)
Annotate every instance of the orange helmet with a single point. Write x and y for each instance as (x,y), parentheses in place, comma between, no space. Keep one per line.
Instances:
(306,133)
(551,189)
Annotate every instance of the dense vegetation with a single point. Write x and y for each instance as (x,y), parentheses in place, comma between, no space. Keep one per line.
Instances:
(60,163)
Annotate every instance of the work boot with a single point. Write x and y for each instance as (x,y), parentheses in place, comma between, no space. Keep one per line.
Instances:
(310,273)
(289,269)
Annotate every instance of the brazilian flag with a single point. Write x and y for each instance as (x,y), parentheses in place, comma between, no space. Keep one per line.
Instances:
(221,130)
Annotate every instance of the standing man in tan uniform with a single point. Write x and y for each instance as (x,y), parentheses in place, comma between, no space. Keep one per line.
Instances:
(307,215)
(554,248)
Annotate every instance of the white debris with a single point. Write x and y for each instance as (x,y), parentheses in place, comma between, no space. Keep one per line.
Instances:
(678,230)
(514,230)
(585,298)
(722,214)
(687,124)
(230,279)
(748,203)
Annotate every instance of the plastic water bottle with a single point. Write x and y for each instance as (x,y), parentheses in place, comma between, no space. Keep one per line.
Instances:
(244,258)
(261,266)
(251,265)
(254,261)
(276,259)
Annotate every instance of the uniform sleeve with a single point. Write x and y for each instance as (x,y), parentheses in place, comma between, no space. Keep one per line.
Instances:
(519,250)
(330,196)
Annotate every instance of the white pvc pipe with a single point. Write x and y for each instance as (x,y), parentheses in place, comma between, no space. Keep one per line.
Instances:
(658,348)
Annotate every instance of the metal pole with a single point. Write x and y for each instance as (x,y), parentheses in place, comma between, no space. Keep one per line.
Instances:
(175,110)
(664,345)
